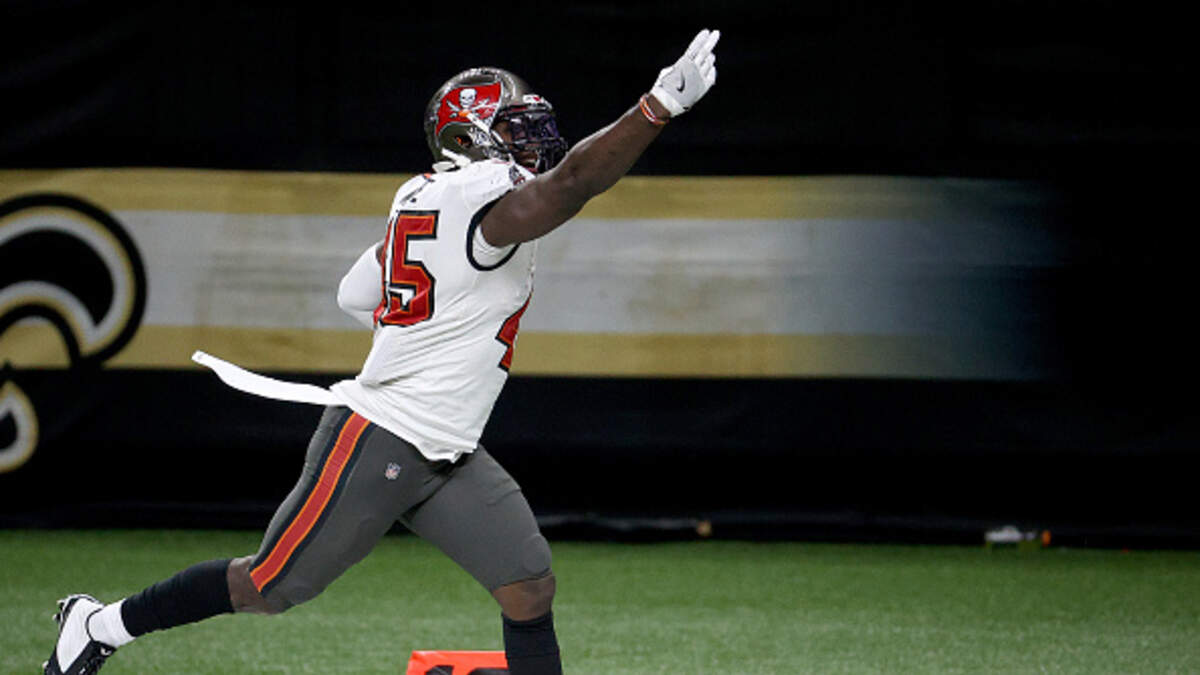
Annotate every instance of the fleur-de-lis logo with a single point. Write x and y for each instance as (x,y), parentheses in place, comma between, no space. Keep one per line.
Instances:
(69,264)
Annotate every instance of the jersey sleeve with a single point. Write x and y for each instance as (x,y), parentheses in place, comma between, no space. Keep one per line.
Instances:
(483,255)
(488,184)
(359,292)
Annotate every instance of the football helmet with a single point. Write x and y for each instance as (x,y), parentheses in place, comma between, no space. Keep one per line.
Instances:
(460,118)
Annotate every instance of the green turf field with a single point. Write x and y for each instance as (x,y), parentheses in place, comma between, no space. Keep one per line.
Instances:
(692,607)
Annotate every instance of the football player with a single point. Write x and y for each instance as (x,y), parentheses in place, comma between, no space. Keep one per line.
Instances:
(444,293)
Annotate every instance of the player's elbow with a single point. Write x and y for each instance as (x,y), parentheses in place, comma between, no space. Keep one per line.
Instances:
(346,298)
(358,290)
(358,305)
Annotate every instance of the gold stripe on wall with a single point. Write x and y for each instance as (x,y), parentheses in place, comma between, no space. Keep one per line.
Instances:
(263,192)
(564,354)
(352,194)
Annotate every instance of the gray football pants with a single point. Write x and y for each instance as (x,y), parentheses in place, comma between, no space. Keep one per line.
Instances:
(359,479)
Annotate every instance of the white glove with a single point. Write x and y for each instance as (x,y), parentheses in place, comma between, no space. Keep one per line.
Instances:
(679,86)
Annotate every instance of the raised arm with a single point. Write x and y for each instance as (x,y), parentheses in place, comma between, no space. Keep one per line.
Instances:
(596,163)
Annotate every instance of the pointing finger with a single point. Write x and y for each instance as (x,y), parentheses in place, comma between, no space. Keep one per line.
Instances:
(697,42)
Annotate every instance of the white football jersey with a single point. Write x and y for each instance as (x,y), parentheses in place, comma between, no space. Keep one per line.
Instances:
(446,326)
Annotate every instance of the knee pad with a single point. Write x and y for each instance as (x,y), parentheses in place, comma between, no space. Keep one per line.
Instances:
(535,557)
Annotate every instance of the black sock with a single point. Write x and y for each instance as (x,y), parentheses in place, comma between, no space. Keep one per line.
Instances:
(196,593)
(531,647)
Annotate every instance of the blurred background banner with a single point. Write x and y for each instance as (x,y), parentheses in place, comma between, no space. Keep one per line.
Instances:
(903,274)
(684,276)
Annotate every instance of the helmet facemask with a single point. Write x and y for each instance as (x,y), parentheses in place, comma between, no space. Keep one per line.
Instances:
(532,128)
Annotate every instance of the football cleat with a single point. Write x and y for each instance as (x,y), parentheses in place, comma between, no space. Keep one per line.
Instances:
(76,653)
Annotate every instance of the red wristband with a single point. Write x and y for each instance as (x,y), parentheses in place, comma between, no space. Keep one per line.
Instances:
(644,105)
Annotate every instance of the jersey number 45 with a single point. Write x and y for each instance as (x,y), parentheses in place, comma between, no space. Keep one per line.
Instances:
(409,285)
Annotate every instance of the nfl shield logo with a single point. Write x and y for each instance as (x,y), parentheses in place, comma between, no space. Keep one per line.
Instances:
(392,472)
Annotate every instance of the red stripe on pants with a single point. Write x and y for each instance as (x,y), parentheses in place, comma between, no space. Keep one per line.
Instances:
(315,505)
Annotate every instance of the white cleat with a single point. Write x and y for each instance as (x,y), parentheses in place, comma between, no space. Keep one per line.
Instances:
(76,652)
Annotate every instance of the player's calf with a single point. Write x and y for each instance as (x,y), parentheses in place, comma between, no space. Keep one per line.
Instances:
(531,647)
(89,632)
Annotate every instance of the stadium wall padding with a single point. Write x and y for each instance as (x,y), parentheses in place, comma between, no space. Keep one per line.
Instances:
(825,353)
